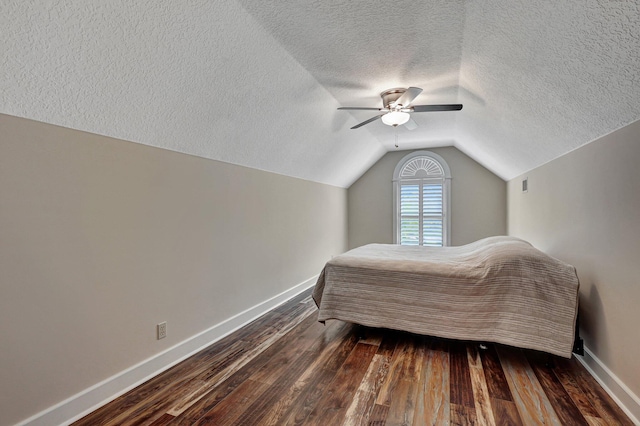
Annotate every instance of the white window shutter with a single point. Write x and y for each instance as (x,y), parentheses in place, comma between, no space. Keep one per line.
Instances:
(422,193)
(410,215)
(432,215)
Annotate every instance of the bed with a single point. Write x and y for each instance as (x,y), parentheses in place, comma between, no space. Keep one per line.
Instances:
(498,289)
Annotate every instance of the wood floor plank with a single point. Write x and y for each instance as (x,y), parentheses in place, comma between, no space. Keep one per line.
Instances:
(223,389)
(400,365)
(163,420)
(395,364)
(378,415)
(290,381)
(213,398)
(320,374)
(462,392)
(562,403)
(308,397)
(343,348)
(261,345)
(461,415)
(234,405)
(333,405)
(494,374)
(265,340)
(566,377)
(482,400)
(532,403)
(362,406)
(288,353)
(596,421)
(607,409)
(274,414)
(432,407)
(504,410)
(261,408)
(298,339)
(364,398)
(403,404)
(505,413)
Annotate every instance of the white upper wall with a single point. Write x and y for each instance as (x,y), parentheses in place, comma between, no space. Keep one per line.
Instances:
(258,83)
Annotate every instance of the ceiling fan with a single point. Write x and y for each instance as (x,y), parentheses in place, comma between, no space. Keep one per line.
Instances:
(396,106)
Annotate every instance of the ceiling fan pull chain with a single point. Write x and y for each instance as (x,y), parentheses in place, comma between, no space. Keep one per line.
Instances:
(396,137)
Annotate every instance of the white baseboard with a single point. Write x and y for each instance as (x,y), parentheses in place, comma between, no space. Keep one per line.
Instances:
(90,399)
(621,394)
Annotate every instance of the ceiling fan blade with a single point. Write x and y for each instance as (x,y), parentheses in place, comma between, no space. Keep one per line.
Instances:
(430,108)
(361,108)
(407,97)
(367,121)
(410,125)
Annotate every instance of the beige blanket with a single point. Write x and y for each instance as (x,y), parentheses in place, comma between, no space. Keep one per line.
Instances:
(499,289)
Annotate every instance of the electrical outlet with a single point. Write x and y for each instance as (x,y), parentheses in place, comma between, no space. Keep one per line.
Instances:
(162,330)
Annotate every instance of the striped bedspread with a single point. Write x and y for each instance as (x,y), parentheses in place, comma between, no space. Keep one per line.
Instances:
(498,289)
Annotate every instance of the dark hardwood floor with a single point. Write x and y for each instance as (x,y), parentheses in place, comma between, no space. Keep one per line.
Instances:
(285,368)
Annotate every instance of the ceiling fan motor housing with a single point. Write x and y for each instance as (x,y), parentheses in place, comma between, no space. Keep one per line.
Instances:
(391,95)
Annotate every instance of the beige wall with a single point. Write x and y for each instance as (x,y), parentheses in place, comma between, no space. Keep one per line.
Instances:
(478,200)
(584,208)
(101,239)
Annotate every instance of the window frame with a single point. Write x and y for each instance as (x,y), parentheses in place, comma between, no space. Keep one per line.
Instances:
(444,178)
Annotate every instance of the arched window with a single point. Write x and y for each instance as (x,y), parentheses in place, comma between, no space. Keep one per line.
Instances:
(421,192)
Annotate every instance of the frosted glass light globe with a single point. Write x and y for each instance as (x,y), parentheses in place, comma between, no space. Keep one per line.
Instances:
(395,118)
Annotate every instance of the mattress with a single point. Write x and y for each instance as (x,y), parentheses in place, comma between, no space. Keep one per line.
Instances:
(498,289)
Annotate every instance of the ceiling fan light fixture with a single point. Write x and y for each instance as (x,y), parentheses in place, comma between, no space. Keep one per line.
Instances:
(395,118)
(397,105)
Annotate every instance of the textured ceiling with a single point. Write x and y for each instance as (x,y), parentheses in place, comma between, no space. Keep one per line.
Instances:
(199,77)
(257,83)
(552,76)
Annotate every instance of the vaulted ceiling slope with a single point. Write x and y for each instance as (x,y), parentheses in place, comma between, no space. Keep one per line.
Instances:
(257,83)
